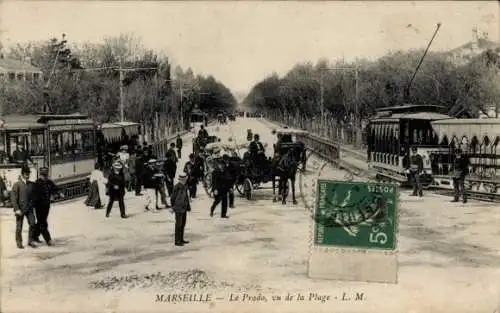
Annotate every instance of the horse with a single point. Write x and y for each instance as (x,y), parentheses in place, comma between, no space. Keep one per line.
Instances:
(285,167)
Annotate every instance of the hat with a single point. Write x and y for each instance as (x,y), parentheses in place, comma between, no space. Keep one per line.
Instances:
(44,171)
(117,165)
(25,170)
(124,147)
(151,161)
(182,176)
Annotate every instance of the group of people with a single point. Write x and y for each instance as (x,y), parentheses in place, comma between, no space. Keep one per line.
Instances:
(31,200)
(461,163)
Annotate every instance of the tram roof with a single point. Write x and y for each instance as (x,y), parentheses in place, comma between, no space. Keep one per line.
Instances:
(411,116)
(197,112)
(468,121)
(20,122)
(412,108)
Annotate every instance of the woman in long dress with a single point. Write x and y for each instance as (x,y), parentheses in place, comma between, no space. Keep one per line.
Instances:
(97,192)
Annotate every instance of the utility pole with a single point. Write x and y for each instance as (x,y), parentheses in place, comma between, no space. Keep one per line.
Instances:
(122,101)
(122,86)
(322,100)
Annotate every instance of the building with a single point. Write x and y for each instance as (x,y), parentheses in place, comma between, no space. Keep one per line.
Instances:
(12,70)
(478,45)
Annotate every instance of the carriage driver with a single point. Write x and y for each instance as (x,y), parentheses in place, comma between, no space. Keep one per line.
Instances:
(257,152)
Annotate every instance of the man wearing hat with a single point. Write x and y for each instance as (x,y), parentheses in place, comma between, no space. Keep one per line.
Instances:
(169,169)
(150,185)
(20,155)
(22,201)
(191,171)
(460,171)
(415,167)
(221,181)
(180,205)
(116,189)
(44,189)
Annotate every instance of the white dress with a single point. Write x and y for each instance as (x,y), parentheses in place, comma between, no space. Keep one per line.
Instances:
(98,176)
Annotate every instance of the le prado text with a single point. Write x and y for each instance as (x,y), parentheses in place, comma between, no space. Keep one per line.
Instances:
(260,298)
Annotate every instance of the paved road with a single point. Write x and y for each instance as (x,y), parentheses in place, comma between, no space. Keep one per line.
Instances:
(449,256)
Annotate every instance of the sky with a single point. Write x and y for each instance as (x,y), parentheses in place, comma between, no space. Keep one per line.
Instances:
(241,42)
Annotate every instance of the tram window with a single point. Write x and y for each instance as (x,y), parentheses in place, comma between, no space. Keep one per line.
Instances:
(37,146)
(55,145)
(67,143)
(78,142)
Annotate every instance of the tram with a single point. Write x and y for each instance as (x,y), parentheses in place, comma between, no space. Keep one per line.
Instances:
(394,131)
(479,139)
(63,143)
(196,119)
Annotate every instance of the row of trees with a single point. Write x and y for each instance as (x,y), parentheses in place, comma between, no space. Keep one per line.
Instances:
(86,78)
(348,97)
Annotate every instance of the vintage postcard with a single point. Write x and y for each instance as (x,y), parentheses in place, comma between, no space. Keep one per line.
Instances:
(250,156)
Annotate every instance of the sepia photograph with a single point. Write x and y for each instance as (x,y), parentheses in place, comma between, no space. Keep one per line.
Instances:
(249,156)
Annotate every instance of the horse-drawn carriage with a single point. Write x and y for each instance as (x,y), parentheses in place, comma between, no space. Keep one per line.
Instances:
(252,173)
(200,143)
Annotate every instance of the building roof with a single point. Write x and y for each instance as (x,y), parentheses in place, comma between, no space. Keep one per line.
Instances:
(8,65)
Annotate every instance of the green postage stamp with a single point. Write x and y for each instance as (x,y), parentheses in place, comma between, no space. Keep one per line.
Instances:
(356,215)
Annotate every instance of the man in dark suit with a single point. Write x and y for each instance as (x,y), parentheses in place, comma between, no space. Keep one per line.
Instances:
(116,189)
(22,201)
(44,189)
(20,155)
(180,205)
(221,180)
(460,171)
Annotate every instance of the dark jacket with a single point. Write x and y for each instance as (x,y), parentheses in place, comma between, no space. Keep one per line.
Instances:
(180,198)
(222,180)
(22,196)
(255,147)
(415,164)
(178,143)
(169,168)
(171,154)
(21,156)
(199,167)
(461,166)
(116,184)
(43,190)
(202,133)
(149,180)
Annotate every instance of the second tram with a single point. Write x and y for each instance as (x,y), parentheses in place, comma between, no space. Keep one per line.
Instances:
(392,134)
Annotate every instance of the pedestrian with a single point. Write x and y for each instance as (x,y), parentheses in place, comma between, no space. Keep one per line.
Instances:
(178,144)
(414,169)
(180,205)
(150,186)
(97,192)
(22,201)
(221,181)
(44,188)
(192,176)
(160,182)
(169,170)
(460,171)
(132,170)
(139,172)
(231,169)
(171,152)
(116,189)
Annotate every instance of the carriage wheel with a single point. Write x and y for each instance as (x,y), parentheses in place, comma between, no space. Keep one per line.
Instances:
(207,184)
(248,188)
